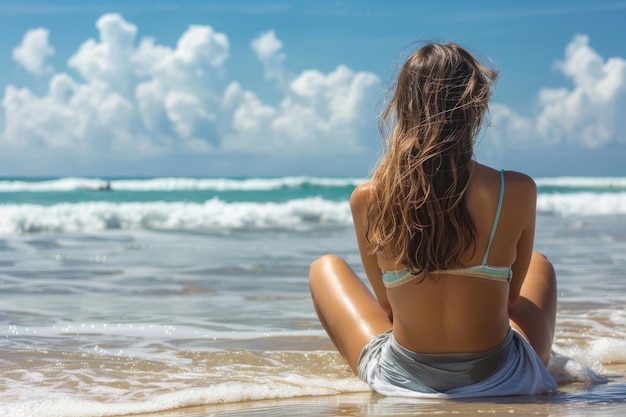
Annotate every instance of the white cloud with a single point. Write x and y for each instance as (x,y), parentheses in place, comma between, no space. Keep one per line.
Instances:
(321,113)
(133,97)
(33,52)
(590,113)
(110,59)
(130,100)
(83,118)
(200,44)
(127,97)
(318,114)
(268,50)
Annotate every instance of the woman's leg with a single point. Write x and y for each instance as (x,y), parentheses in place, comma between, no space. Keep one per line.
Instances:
(346,307)
(534,312)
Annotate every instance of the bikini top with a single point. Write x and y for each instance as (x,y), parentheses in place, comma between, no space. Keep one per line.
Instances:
(497,273)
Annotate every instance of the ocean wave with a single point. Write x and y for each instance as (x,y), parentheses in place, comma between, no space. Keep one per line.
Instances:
(125,385)
(285,388)
(583,183)
(69,184)
(175,184)
(582,203)
(216,215)
(211,216)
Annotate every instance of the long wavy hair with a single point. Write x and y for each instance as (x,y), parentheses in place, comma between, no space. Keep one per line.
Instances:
(417,214)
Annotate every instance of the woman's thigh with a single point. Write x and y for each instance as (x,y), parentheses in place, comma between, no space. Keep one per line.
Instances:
(346,307)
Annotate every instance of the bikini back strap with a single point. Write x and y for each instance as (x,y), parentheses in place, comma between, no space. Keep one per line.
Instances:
(496,219)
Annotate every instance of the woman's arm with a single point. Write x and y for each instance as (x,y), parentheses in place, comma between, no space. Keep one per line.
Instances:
(524,190)
(358,204)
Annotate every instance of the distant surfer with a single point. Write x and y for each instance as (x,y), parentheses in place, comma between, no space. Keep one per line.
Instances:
(104,187)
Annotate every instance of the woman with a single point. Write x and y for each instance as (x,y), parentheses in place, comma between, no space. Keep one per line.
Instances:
(462,307)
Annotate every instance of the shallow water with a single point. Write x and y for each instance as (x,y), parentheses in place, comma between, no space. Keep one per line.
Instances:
(218,320)
(572,400)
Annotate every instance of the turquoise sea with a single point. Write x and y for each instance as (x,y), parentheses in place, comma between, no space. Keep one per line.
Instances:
(158,295)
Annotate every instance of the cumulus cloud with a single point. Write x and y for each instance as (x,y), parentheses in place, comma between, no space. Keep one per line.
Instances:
(110,59)
(130,97)
(321,113)
(33,51)
(268,50)
(589,113)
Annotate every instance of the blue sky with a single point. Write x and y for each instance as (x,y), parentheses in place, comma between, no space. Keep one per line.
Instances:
(264,88)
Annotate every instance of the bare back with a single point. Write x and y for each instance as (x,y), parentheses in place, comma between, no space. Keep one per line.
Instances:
(461,313)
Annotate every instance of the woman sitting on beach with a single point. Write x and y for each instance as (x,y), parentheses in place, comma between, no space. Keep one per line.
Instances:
(462,307)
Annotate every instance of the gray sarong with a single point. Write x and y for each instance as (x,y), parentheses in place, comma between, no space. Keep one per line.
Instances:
(512,368)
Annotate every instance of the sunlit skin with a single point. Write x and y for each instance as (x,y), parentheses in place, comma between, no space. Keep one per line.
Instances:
(450,313)
(457,313)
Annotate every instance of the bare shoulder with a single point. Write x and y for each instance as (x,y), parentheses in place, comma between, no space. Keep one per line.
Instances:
(521,186)
(517,184)
(520,196)
(360,197)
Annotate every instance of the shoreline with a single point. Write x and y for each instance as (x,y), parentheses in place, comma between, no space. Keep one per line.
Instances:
(574,399)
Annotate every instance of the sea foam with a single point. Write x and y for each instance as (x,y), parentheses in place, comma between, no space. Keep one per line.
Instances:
(216,215)
(211,216)
(287,386)
(175,184)
(582,203)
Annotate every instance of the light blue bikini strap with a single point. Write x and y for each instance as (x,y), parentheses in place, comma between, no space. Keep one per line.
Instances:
(497,218)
